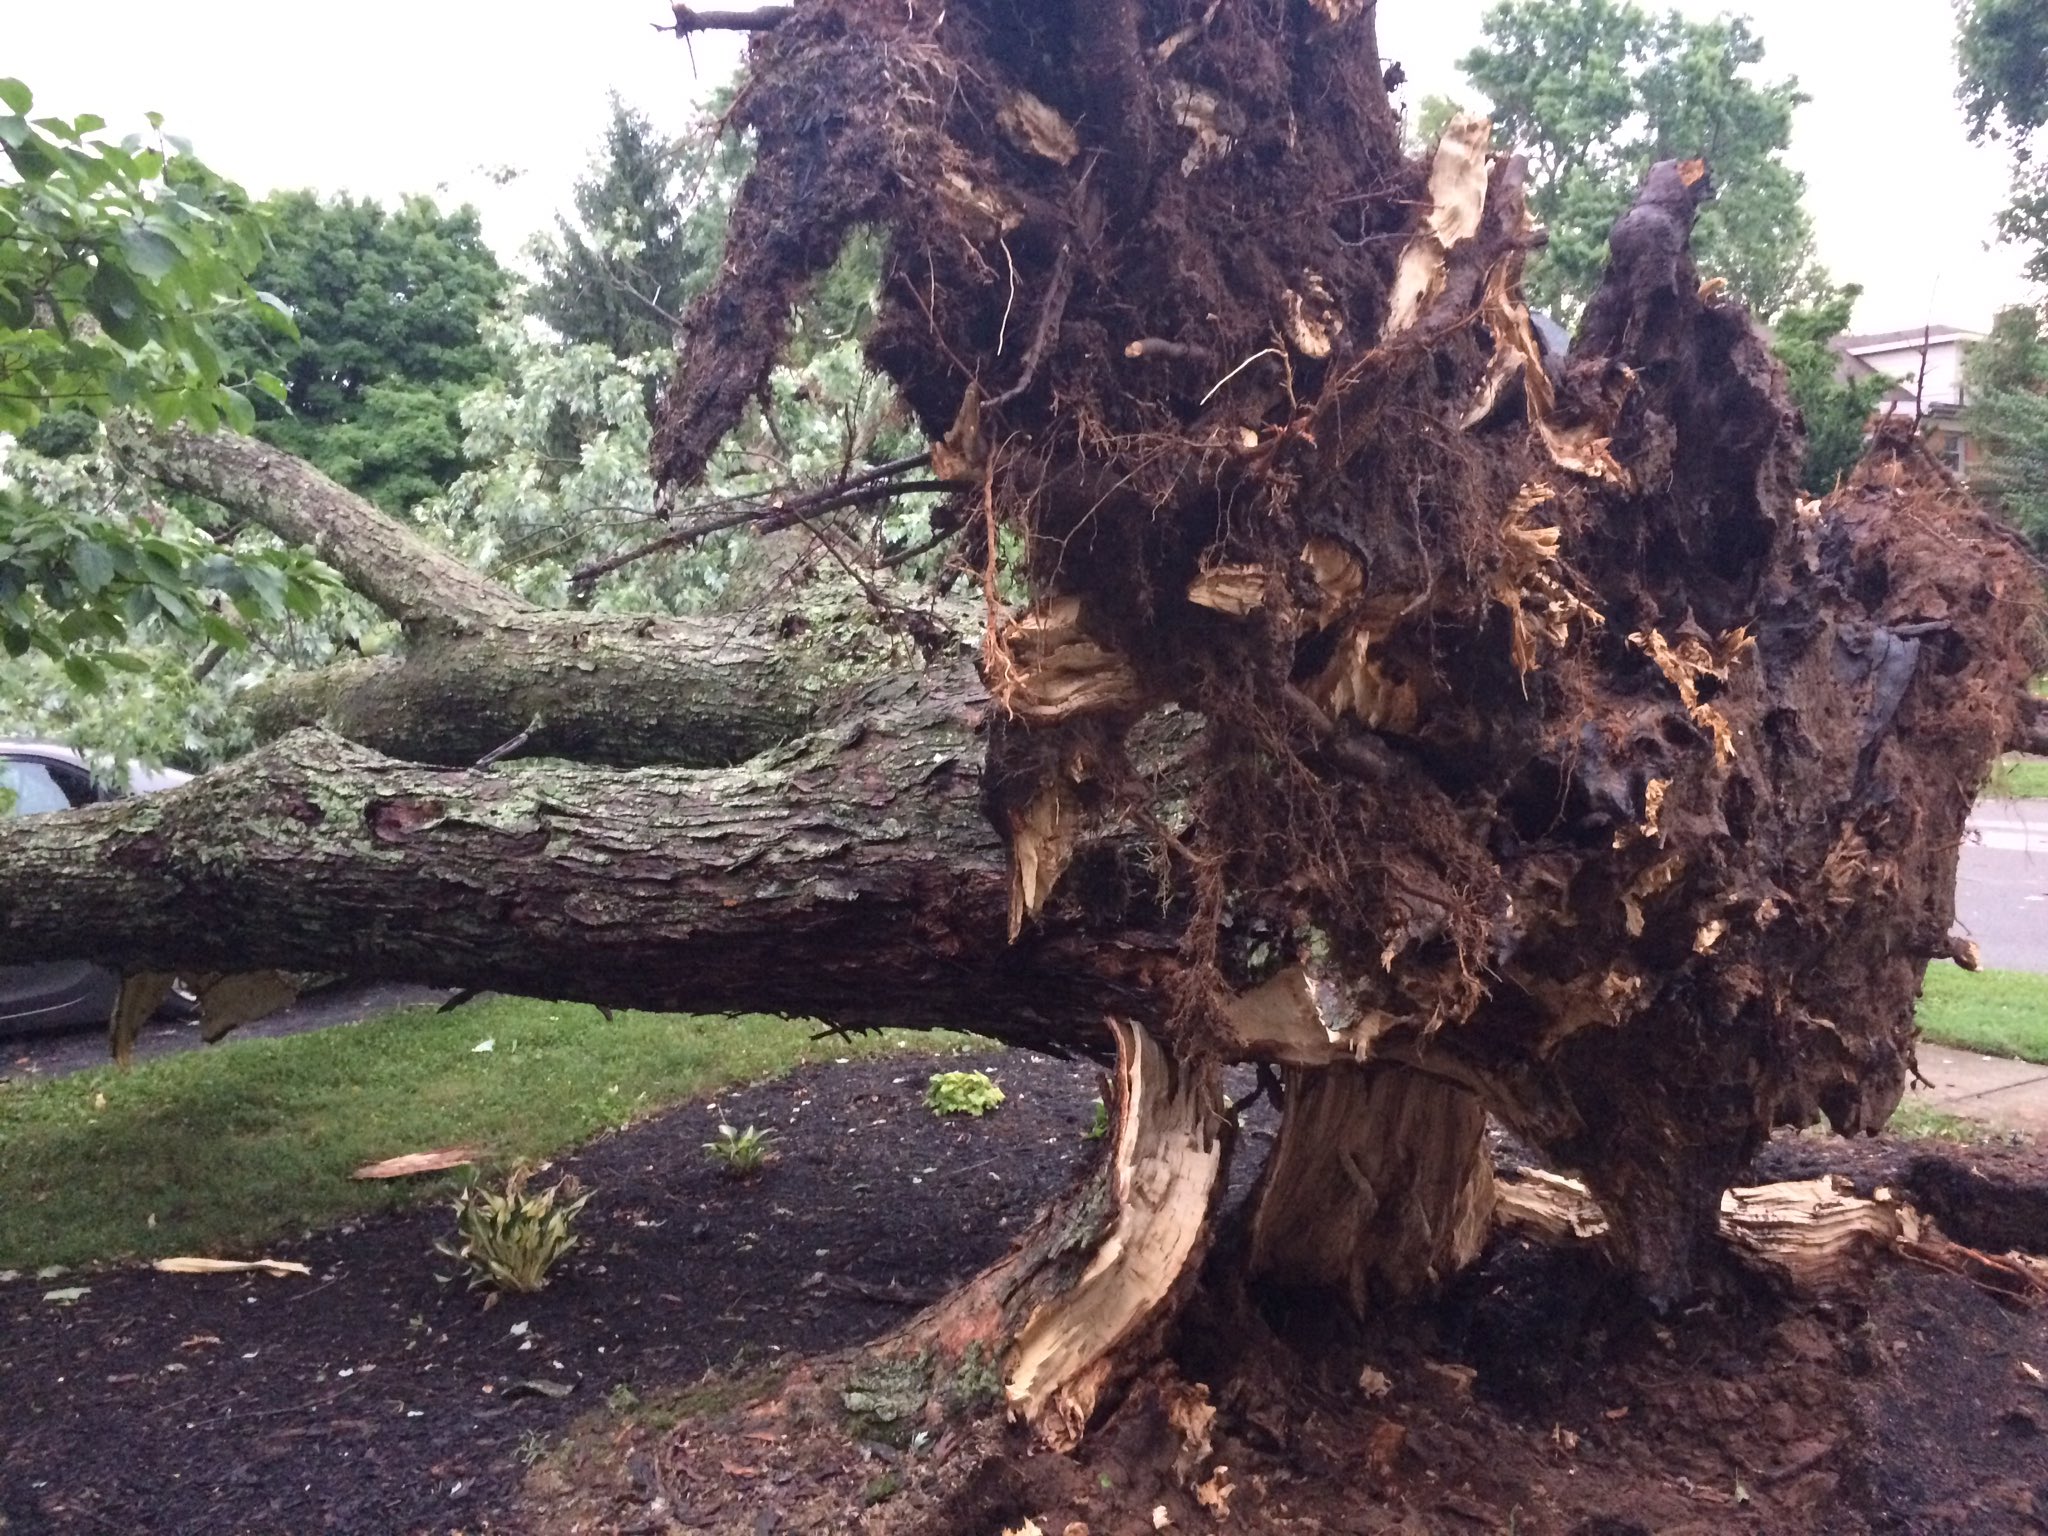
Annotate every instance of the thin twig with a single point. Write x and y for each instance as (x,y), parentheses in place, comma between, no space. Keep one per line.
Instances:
(859,490)
(925,547)
(506,749)
(1057,289)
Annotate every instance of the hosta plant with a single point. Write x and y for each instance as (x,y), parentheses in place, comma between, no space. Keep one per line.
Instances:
(962,1093)
(510,1239)
(740,1153)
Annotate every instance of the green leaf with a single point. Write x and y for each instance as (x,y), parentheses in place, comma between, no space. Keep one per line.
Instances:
(149,253)
(118,304)
(19,98)
(84,673)
(92,565)
(238,412)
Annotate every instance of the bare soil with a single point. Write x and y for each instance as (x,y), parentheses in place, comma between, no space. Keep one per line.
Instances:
(1537,1396)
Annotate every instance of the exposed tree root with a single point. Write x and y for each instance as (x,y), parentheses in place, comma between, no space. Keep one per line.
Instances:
(1378,1186)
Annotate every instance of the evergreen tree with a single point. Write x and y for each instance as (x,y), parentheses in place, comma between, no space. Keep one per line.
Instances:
(650,221)
(2007,415)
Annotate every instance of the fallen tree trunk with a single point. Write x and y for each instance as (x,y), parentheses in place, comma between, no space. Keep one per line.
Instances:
(627,692)
(852,878)
(415,582)
(483,665)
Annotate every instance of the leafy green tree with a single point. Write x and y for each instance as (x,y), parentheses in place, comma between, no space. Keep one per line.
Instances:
(2007,415)
(1837,411)
(390,309)
(121,264)
(650,221)
(1594,92)
(2002,63)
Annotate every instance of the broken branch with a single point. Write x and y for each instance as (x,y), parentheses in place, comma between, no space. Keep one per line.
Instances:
(762,19)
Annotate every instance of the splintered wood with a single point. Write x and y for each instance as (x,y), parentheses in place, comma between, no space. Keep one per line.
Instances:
(1816,1234)
(1359,1150)
(1167,1162)
(1043,667)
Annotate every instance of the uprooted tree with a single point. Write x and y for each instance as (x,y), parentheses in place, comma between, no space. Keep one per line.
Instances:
(1455,729)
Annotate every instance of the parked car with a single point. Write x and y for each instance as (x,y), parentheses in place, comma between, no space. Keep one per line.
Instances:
(36,777)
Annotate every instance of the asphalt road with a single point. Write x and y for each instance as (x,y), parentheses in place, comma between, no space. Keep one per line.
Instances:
(2002,884)
(52,1055)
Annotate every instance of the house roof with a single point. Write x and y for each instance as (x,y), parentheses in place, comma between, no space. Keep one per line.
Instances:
(1891,341)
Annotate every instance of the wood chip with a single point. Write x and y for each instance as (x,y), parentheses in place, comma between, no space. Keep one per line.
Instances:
(416,1162)
(189,1266)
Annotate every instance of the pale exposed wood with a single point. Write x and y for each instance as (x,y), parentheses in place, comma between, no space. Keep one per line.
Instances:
(1297,1019)
(1457,198)
(1378,1185)
(1815,1234)
(1168,1160)
(411,1163)
(194,1266)
(1043,667)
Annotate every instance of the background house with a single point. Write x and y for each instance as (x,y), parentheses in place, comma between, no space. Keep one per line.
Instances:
(1926,365)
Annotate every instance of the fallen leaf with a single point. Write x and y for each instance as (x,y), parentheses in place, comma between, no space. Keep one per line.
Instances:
(490,1044)
(184,1266)
(67,1295)
(416,1162)
(1374,1383)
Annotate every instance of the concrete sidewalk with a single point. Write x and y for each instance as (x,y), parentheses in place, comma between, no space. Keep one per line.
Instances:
(2012,1095)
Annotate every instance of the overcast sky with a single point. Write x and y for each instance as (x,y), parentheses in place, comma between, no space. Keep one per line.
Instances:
(381,98)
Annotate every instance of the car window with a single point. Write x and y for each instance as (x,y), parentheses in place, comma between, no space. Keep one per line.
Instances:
(28,788)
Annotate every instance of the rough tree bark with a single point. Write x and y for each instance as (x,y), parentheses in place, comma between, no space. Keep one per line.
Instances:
(1461,736)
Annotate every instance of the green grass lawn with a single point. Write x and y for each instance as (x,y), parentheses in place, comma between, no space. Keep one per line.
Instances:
(2001,1013)
(1917,1122)
(2018,778)
(216,1150)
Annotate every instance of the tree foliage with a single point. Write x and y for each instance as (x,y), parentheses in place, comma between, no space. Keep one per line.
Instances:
(1837,410)
(1594,92)
(390,309)
(2007,416)
(650,220)
(122,263)
(2002,63)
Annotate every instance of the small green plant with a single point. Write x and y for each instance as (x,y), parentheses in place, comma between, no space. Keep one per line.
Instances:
(962,1093)
(740,1153)
(1099,1126)
(622,1399)
(533,1446)
(508,1239)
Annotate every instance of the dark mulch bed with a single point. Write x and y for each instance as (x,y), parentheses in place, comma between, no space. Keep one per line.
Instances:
(373,1399)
